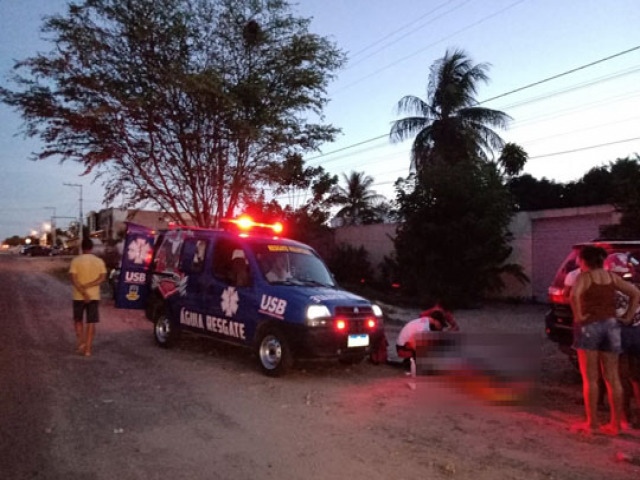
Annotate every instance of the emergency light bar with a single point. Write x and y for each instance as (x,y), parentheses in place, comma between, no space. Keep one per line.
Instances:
(246,223)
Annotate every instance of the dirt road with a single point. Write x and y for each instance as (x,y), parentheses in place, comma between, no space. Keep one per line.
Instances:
(203,411)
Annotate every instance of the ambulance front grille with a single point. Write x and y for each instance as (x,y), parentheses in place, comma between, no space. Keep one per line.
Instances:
(355,317)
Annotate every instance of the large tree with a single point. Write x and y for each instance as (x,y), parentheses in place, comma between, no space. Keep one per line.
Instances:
(452,245)
(449,125)
(453,242)
(177,103)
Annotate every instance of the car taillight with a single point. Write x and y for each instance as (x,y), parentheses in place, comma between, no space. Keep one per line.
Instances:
(371,323)
(556,295)
(341,325)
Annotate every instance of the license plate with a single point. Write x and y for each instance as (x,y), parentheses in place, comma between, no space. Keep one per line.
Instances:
(361,340)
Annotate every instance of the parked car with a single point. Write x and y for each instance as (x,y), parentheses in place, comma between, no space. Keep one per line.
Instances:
(36,251)
(559,318)
(245,285)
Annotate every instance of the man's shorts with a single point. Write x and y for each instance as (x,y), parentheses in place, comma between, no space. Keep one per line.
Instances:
(630,339)
(602,336)
(79,307)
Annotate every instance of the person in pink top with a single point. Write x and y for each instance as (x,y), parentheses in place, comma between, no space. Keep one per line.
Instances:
(597,334)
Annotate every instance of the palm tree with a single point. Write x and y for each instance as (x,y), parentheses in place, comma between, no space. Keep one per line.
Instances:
(449,125)
(358,201)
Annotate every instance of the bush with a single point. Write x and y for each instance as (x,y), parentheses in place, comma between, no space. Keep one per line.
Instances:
(350,265)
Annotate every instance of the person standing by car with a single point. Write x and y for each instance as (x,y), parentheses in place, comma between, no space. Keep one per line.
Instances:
(87,273)
(597,334)
(626,266)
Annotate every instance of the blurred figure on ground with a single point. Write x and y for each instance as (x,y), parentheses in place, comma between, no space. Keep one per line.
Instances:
(87,274)
(597,334)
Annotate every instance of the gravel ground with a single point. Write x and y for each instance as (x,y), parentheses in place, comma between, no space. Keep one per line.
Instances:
(202,410)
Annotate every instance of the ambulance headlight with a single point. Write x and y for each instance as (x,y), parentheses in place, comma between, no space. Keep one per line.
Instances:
(318,315)
(377,311)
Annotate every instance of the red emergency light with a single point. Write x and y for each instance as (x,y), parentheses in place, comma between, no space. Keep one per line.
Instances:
(245,223)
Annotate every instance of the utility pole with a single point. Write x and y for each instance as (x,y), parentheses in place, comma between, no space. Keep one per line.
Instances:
(53,225)
(81,219)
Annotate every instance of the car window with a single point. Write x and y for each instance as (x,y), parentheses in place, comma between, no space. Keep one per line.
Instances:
(193,255)
(292,265)
(570,263)
(230,263)
(167,254)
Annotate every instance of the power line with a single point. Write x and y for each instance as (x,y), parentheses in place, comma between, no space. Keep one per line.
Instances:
(590,83)
(409,33)
(539,82)
(584,148)
(373,44)
(568,72)
(406,57)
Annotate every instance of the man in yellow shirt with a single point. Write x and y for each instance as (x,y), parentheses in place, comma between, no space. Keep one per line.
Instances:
(87,273)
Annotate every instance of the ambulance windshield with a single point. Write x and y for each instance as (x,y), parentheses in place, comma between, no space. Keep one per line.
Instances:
(290,265)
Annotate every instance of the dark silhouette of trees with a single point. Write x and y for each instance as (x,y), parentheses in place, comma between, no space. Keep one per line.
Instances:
(360,203)
(449,125)
(452,245)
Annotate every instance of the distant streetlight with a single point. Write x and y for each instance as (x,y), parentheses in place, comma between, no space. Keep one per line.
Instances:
(53,225)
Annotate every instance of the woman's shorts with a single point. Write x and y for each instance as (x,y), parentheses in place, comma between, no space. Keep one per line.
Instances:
(630,339)
(602,336)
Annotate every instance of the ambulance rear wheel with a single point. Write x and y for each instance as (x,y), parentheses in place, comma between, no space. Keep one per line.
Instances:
(165,331)
(274,353)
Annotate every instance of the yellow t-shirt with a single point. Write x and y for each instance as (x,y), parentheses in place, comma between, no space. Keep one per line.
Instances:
(87,268)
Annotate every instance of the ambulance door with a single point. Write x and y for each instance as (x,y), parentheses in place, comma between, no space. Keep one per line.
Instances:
(191,301)
(231,294)
(133,282)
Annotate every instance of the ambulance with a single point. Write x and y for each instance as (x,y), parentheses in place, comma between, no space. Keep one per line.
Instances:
(247,285)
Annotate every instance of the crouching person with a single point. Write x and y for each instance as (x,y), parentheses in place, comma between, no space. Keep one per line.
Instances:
(411,334)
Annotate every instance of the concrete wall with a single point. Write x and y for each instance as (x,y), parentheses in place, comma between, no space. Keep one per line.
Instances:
(554,232)
(376,239)
(541,240)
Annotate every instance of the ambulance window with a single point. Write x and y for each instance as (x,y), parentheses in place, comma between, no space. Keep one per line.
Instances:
(193,255)
(230,264)
(167,254)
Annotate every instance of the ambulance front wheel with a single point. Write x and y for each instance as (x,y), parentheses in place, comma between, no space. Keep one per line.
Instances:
(274,353)
(164,330)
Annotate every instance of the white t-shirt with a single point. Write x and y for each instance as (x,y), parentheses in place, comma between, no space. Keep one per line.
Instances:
(411,329)
(571,278)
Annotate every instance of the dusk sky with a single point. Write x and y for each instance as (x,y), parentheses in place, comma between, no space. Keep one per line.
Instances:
(391,46)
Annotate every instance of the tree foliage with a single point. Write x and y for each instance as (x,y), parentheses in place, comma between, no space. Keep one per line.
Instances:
(625,179)
(614,183)
(292,178)
(453,243)
(350,265)
(449,125)
(361,205)
(177,103)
